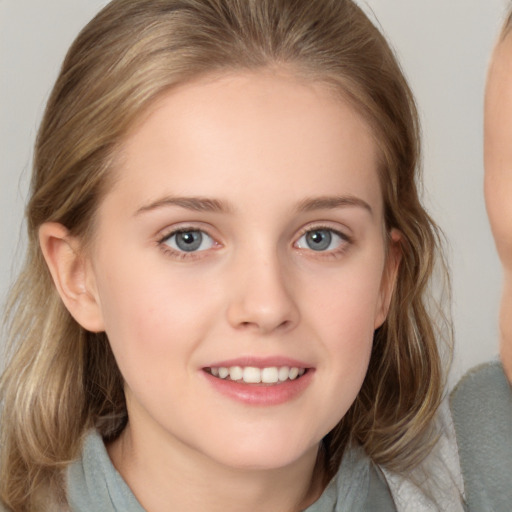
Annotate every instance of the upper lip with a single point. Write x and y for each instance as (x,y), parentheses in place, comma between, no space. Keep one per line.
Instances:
(260,362)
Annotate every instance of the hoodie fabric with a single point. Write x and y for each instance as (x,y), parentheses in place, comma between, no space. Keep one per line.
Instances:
(482,413)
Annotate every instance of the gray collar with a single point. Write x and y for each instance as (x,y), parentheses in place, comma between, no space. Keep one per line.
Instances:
(94,484)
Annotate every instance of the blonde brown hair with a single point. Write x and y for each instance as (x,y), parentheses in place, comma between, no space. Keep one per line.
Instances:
(61,380)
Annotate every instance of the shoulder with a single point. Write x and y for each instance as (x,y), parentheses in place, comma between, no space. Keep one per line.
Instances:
(481,406)
(483,382)
(482,400)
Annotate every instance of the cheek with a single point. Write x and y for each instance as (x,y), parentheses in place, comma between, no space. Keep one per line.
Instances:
(498,190)
(350,333)
(349,300)
(344,314)
(150,313)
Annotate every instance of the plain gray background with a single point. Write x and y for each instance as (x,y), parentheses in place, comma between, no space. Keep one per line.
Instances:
(444,47)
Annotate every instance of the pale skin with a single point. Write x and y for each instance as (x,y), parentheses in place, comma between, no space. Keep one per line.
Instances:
(255,162)
(498,180)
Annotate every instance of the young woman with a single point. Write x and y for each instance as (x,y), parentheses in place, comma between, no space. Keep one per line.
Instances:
(224,304)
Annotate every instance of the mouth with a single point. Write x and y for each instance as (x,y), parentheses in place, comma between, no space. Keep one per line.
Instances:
(269,376)
(260,381)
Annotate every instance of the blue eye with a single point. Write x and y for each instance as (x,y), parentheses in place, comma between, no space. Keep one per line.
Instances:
(322,239)
(191,240)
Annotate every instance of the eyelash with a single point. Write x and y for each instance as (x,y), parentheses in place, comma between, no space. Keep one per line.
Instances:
(183,255)
(347,241)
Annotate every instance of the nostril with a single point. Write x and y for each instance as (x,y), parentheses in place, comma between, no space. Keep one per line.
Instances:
(284,324)
(248,326)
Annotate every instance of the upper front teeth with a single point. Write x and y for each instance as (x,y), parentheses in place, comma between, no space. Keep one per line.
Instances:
(252,375)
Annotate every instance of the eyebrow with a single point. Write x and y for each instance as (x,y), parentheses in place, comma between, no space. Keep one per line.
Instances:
(204,204)
(196,204)
(332,202)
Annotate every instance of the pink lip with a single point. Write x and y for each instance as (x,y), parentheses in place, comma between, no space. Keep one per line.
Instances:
(261,394)
(261,362)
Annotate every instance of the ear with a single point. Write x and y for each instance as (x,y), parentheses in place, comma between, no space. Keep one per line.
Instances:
(72,274)
(389,275)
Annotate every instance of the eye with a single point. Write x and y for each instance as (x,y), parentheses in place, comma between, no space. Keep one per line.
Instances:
(321,239)
(190,240)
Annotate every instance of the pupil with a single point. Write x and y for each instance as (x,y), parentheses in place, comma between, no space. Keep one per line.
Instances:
(319,240)
(189,240)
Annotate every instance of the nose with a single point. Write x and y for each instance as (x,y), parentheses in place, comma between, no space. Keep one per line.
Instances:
(261,295)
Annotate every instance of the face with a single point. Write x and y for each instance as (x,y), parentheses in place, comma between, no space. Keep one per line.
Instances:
(239,268)
(498,179)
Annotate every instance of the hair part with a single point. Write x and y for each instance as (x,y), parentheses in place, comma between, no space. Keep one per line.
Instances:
(62,380)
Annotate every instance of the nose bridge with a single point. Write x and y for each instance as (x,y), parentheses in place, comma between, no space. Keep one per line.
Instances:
(262,295)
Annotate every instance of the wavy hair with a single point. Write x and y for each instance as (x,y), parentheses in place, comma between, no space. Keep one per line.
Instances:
(61,380)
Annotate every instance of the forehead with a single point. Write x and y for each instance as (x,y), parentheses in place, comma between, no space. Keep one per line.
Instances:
(255,129)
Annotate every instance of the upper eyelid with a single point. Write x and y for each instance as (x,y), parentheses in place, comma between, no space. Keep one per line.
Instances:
(175,232)
(324,225)
(345,243)
(179,254)
(165,233)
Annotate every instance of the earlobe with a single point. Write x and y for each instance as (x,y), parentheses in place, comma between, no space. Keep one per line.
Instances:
(394,256)
(71,275)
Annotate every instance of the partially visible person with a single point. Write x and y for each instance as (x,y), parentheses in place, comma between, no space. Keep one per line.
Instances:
(498,176)
(482,401)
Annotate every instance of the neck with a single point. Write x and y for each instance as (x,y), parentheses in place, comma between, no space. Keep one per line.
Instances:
(173,476)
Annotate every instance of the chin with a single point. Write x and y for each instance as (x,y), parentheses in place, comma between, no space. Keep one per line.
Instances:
(269,456)
(506,357)
(506,335)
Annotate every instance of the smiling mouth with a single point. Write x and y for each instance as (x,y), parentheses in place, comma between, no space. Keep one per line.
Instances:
(252,375)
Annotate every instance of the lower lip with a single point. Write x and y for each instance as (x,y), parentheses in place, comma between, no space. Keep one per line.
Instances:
(261,394)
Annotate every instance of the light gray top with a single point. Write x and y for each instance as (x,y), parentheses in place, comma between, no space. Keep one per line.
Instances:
(95,485)
(482,413)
